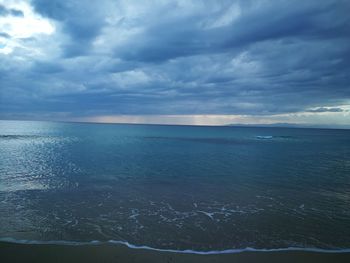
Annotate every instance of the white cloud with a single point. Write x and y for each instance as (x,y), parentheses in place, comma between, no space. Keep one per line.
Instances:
(21,27)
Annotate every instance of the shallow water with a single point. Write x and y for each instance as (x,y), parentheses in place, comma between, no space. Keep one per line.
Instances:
(175,187)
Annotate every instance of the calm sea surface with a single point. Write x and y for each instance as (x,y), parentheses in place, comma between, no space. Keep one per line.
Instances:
(175,187)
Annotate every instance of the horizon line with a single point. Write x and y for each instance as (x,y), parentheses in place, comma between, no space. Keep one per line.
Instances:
(237,125)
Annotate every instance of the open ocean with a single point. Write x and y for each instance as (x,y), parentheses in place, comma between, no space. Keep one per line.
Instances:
(175,187)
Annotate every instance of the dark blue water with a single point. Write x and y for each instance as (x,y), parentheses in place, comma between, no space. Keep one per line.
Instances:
(175,187)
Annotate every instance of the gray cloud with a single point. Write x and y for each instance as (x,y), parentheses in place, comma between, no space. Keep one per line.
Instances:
(323,109)
(191,57)
(4,35)
(10,11)
(82,21)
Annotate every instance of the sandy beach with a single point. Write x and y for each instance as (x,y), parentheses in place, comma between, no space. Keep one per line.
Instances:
(12,252)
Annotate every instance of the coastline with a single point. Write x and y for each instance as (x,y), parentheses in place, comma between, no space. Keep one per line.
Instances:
(111,252)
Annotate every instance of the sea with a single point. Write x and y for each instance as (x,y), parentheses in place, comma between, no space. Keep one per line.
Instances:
(177,188)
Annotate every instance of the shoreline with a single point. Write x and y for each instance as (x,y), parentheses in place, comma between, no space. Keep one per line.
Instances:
(169,250)
(116,252)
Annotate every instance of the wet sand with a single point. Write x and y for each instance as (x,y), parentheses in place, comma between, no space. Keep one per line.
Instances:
(12,252)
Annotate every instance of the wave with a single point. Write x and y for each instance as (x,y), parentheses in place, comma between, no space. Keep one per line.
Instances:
(267,137)
(186,251)
(14,136)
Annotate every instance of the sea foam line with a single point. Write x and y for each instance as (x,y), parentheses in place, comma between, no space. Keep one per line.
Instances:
(186,251)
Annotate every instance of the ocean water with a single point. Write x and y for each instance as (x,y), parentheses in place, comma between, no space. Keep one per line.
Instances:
(175,187)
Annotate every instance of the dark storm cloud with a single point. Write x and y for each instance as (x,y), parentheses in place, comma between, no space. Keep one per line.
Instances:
(81,20)
(175,37)
(190,57)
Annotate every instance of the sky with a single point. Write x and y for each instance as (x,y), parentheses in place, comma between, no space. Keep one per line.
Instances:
(176,62)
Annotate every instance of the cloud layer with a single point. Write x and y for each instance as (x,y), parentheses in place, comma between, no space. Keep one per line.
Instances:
(102,58)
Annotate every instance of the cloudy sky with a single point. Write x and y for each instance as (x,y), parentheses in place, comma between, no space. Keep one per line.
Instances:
(183,62)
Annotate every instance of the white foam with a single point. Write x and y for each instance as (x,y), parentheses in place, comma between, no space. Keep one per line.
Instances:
(210,215)
(186,251)
(264,137)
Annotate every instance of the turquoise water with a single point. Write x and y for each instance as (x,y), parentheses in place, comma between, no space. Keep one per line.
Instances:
(175,187)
